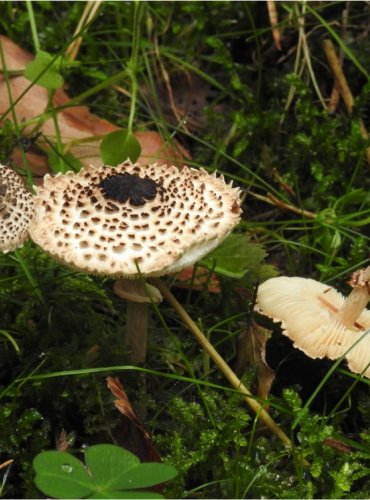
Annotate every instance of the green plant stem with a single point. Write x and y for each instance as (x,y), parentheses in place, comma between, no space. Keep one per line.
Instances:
(133,63)
(32,20)
(27,272)
(58,135)
(223,366)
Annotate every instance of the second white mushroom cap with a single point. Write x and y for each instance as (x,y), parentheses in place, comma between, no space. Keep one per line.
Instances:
(310,315)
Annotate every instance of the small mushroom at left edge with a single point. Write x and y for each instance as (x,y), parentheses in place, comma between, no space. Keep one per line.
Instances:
(16,210)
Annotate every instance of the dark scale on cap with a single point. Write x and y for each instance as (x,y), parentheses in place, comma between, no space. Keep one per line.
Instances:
(128,187)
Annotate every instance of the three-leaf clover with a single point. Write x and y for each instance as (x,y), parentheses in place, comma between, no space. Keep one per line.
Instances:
(110,472)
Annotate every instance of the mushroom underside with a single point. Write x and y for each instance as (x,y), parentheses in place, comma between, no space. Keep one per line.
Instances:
(307,311)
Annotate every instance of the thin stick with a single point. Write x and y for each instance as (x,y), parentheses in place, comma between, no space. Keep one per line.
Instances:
(335,94)
(306,54)
(272,200)
(91,8)
(275,30)
(222,365)
(343,86)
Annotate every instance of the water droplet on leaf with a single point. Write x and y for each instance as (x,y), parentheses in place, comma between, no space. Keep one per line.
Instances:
(67,468)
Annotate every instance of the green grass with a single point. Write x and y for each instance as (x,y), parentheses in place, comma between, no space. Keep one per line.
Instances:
(260,122)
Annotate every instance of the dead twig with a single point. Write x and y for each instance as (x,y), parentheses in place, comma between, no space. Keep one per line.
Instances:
(91,8)
(256,406)
(6,463)
(167,83)
(343,86)
(335,95)
(275,30)
(272,200)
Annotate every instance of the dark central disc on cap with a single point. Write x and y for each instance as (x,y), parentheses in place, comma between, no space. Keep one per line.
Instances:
(123,187)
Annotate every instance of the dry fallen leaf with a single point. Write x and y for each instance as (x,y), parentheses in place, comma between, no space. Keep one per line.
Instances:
(81,131)
(191,95)
(131,433)
(200,280)
(251,352)
(338,445)
(65,441)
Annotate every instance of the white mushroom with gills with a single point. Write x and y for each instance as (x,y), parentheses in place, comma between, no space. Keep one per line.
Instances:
(16,210)
(321,321)
(133,221)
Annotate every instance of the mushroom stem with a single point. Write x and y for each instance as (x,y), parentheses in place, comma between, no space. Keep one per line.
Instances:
(136,332)
(224,367)
(133,291)
(138,295)
(357,300)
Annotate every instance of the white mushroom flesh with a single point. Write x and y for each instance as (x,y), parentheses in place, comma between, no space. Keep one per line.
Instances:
(357,299)
(112,221)
(16,210)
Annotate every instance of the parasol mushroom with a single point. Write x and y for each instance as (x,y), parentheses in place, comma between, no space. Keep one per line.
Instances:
(321,321)
(16,210)
(133,221)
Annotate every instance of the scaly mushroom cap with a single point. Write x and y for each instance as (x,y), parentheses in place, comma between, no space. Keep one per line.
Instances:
(307,311)
(16,210)
(111,221)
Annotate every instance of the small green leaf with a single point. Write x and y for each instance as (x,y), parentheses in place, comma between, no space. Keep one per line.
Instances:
(235,256)
(107,463)
(48,67)
(146,475)
(119,145)
(63,162)
(126,494)
(61,475)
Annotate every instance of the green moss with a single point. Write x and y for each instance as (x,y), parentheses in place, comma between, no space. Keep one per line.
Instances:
(257,118)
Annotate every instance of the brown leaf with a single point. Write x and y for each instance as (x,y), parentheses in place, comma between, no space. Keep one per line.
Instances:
(184,96)
(15,57)
(338,445)
(251,351)
(81,131)
(198,280)
(65,441)
(131,433)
